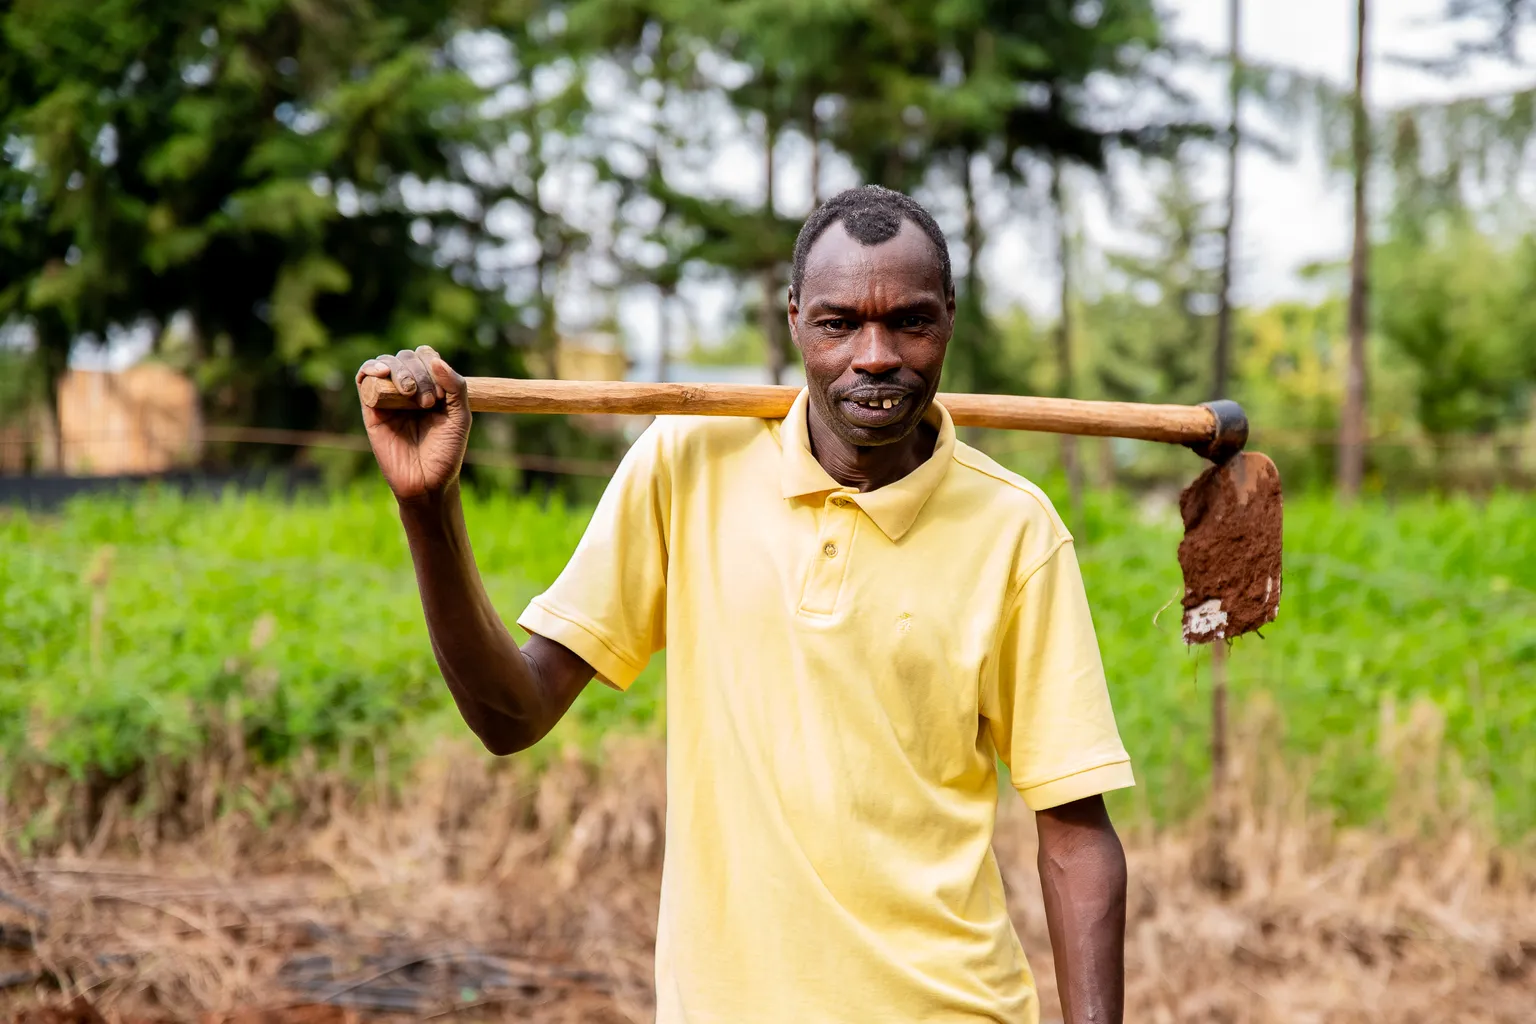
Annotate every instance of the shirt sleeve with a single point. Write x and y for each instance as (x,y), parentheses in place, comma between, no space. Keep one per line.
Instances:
(1046,701)
(609,603)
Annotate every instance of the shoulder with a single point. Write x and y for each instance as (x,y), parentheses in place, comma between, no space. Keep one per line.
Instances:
(1007,491)
(682,440)
(1014,506)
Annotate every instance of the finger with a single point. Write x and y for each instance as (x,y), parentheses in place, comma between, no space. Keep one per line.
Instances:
(425,390)
(404,380)
(371,368)
(428,356)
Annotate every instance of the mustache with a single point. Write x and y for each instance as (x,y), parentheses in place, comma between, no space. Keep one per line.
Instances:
(878,390)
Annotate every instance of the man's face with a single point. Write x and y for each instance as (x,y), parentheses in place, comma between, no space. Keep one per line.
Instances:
(872,323)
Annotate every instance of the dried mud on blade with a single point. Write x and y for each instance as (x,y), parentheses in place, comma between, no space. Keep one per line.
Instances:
(1230,553)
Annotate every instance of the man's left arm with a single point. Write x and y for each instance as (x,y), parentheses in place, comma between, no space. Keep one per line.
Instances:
(1047,707)
(1083,879)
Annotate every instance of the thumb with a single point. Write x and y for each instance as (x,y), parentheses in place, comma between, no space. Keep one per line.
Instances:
(455,390)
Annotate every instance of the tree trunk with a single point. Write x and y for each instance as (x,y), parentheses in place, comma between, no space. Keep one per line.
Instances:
(813,133)
(771,318)
(54,460)
(545,269)
(53,344)
(1218,717)
(1352,423)
(548,341)
(968,352)
(663,332)
(973,236)
(1066,383)
(1220,378)
(1214,867)
(1108,471)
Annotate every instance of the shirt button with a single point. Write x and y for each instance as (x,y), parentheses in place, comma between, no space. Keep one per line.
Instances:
(840,502)
(830,550)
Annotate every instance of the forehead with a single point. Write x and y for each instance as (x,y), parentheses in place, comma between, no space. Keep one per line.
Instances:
(841,270)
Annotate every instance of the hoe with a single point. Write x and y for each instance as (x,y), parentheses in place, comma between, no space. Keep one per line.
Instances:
(1230,553)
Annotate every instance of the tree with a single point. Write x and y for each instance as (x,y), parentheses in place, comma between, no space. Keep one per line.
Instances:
(1066,380)
(313,182)
(1220,382)
(295,178)
(1005,91)
(1153,324)
(1457,305)
(1352,422)
(948,98)
(1504,20)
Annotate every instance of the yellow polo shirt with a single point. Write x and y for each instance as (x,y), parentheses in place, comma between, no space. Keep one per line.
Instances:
(843,672)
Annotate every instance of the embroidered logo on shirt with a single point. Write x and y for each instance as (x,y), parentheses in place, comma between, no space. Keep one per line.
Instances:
(903,623)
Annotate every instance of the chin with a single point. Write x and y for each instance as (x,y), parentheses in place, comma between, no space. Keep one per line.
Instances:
(876,437)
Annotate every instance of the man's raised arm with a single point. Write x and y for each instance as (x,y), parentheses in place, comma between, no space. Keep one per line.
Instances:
(510,697)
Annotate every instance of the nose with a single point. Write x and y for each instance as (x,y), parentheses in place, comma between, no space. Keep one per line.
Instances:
(875,352)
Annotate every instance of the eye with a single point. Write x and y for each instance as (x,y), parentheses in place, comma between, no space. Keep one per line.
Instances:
(836,324)
(912,322)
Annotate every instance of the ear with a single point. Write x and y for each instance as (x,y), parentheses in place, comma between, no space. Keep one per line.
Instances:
(794,319)
(949,304)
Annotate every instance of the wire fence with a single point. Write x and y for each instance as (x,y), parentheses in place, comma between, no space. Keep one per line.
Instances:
(124,455)
(1456,462)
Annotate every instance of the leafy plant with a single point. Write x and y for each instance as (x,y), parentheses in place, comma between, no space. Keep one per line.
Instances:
(141,629)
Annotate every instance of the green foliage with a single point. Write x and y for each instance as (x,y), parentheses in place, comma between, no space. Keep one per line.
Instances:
(17,385)
(311,183)
(1383,604)
(742,347)
(129,627)
(1152,329)
(1453,349)
(1457,305)
(915,96)
(247,164)
(301,621)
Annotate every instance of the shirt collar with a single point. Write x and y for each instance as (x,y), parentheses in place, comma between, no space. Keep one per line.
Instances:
(894,507)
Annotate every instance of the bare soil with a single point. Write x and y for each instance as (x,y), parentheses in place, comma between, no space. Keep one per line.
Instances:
(480,891)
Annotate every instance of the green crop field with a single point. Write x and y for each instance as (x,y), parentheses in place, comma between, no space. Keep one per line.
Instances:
(136,629)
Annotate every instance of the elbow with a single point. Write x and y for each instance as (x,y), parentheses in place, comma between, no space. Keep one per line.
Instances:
(502,746)
(1080,849)
(1100,857)
(506,735)
(1116,877)
(501,731)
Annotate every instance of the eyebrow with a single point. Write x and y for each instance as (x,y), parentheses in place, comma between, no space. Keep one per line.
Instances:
(821,307)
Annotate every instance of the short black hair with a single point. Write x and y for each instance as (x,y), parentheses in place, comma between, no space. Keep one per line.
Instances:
(871,214)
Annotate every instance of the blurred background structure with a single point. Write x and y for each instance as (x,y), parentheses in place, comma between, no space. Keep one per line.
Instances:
(211,211)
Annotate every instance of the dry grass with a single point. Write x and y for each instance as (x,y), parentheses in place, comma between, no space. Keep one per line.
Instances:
(487,893)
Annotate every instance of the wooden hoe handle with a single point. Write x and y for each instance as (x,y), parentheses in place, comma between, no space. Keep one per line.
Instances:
(1216,430)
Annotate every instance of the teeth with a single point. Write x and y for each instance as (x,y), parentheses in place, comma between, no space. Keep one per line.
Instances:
(887,403)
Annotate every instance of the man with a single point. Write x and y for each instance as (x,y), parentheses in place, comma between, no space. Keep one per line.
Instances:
(861,615)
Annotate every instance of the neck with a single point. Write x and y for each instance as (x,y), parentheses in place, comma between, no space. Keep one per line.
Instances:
(865,469)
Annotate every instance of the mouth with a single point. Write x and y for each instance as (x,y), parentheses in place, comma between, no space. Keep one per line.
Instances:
(868,409)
